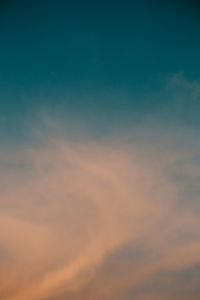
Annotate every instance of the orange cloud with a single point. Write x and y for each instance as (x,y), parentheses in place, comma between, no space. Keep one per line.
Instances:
(67,207)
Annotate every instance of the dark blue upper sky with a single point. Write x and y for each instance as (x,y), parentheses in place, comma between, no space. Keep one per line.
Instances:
(93,57)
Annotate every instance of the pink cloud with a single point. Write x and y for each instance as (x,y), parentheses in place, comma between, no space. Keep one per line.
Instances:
(73,204)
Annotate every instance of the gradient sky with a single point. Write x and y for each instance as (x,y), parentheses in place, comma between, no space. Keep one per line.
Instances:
(99,150)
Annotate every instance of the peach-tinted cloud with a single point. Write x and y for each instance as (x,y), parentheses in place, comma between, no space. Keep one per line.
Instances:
(68,207)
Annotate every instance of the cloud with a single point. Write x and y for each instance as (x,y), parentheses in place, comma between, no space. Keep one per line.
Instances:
(108,213)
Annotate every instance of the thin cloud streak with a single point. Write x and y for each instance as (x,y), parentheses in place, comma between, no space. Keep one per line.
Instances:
(68,206)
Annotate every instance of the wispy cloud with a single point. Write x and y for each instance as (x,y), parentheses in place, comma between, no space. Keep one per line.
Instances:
(109,212)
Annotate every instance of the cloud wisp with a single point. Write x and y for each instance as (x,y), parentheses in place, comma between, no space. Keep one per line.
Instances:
(68,207)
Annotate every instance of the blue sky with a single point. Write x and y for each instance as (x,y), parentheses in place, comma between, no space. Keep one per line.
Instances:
(108,58)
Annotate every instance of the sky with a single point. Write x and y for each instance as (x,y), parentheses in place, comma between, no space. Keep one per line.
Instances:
(99,150)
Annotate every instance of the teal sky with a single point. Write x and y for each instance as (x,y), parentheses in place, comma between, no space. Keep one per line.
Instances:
(108,61)
(99,150)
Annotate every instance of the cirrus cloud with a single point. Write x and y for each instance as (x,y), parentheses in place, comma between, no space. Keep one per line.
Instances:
(110,212)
